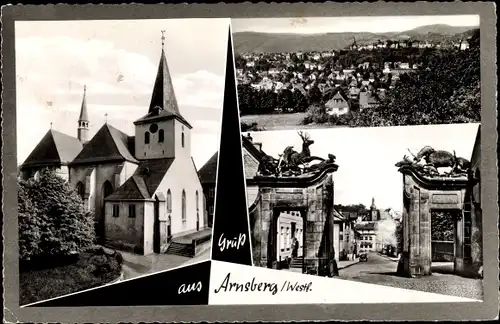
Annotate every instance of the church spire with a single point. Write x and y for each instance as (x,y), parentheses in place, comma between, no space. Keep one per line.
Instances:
(373,203)
(83,120)
(163,91)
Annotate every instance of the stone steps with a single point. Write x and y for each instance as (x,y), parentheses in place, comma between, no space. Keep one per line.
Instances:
(296,263)
(180,249)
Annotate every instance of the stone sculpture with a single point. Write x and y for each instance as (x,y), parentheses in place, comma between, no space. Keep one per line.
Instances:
(434,159)
(293,163)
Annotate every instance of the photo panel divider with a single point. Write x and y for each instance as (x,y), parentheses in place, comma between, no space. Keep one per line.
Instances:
(231,236)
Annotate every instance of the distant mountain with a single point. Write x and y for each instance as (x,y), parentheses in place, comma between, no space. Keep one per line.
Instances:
(271,42)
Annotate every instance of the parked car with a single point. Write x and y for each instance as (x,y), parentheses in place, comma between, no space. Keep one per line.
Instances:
(363,257)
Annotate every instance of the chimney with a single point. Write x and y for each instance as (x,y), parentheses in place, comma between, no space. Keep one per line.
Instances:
(249,138)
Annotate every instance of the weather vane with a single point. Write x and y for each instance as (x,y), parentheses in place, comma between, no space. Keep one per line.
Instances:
(162,38)
(50,125)
(106,116)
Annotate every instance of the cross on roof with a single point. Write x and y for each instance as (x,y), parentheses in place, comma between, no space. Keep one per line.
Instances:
(162,38)
(106,116)
(50,125)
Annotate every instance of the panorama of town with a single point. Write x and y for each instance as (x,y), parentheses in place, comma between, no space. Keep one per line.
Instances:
(361,84)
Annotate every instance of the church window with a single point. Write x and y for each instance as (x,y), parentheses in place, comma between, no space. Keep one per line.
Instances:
(146,138)
(182,139)
(161,136)
(211,192)
(169,201)
(131,211)
(211,210)
(197,201)
(184,219)
(116,210)
(80,189)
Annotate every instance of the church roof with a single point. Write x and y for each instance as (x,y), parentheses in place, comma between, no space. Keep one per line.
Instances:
(54,148)
(145,180)
(163,101)
(208,172)
(108,144)
(83,111)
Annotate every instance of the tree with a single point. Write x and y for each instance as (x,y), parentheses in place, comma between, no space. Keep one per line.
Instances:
(52,219)
(300,101)
(442,226)
(446,90)
(240,62)
(285,99)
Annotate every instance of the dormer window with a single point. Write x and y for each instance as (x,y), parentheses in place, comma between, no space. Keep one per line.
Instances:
(146,138)
(157,110)
(161,136)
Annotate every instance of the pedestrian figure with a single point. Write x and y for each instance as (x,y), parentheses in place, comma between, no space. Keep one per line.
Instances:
(295,247)
(355,250)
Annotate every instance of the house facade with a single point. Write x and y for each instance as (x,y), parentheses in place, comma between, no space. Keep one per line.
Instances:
(338,104)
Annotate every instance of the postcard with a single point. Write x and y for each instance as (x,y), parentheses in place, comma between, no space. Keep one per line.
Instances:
(250,162)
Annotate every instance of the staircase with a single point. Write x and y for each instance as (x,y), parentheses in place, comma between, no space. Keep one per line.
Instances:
(296,263)
(185,250)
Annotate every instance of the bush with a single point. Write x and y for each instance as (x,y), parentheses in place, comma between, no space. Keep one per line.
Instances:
(316,114)
(52,219)
(253,127)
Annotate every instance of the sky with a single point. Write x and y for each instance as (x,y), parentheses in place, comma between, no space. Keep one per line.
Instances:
(118,62)
(367,156)
(317,25)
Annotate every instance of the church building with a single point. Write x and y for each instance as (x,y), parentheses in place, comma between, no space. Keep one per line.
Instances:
(144,190)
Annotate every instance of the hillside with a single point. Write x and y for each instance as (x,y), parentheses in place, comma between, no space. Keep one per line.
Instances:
(270,42)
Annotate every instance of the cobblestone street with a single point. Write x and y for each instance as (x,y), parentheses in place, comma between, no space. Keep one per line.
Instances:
(382,271)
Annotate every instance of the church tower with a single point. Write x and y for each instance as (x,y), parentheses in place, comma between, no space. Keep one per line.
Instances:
(83,121)
(163,132)
(373,211)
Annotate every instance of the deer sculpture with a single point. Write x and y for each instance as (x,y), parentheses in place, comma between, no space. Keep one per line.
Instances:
(294,159)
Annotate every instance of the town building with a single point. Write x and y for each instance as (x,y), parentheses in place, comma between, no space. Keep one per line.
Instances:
(144,190)
(366,236)
(339,103)
(208,178)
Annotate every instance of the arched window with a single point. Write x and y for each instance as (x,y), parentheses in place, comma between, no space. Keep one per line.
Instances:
(80,189)
(182,139)
(197,201)
(146,138)
(184,207)
(169,201)
(161,136)
(107,189)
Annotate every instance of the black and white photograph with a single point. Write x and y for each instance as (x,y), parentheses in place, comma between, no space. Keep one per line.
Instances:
(116,124)
(317,72)
(392,206)
(250,162)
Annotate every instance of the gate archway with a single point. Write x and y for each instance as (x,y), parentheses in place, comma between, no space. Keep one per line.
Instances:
(312,196)
(423,195)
